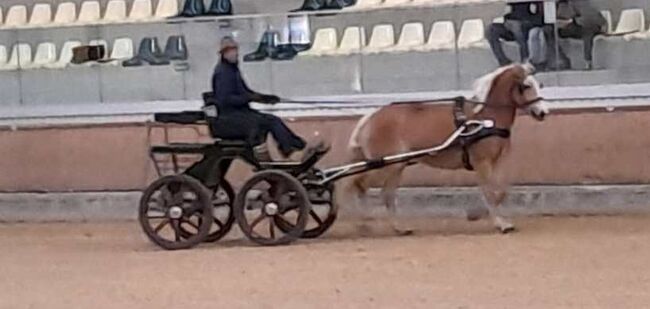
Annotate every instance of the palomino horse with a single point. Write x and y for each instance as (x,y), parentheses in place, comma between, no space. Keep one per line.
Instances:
(400,128)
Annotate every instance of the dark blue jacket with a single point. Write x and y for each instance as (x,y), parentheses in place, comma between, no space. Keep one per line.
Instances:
(230,89)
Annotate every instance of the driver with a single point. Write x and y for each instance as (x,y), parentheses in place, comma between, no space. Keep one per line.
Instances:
(233,96)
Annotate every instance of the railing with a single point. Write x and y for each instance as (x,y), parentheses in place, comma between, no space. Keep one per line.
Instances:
(397,50)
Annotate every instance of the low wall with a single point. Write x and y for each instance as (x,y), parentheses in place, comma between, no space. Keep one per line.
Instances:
(570,147)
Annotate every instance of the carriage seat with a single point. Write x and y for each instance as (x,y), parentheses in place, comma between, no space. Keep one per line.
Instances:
(186,117)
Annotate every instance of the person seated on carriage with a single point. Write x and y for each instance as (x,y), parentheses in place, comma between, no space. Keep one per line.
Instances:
(236,119)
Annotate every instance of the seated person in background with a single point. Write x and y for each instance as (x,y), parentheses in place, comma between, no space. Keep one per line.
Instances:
(522,17)
(579,19)
(236,119)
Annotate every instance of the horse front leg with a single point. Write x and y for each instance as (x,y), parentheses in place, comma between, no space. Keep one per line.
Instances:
(494,192)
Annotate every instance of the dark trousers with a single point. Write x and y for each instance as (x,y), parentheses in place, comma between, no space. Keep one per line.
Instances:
(510,30)
(586,34)
(287,140)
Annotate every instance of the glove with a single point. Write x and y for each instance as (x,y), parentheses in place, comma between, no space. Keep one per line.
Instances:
(256,97)
(271,99)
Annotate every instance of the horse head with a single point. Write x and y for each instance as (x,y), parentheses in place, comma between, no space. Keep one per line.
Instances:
(513,86)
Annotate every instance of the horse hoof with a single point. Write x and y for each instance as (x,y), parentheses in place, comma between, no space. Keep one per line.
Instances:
(507,229)
(400,232)
(476,213)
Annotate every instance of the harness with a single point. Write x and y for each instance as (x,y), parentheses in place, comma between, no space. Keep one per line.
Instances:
(466,141)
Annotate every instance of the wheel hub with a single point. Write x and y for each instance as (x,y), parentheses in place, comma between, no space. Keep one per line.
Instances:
(271,209)
(175,212)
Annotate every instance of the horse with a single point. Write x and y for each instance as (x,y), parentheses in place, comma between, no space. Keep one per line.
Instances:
(405,127)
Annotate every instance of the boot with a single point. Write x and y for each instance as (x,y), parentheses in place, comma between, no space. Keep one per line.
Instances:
(311,5)
(265,49)
(192,8)
(150,52)
(176,49)
(133,62)
(284,52)
(339,4)
(220,8)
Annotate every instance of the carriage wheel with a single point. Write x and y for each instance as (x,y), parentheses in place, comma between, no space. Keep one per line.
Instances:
(322,215)
(269,195)
(171,204)
(223,218)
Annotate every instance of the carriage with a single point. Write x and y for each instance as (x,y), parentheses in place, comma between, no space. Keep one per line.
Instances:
(281,202)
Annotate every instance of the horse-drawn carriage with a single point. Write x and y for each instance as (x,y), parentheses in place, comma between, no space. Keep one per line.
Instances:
(192,201)
(281,202)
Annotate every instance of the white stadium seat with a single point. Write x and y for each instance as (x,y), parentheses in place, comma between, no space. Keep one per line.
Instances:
(325,42)
(472,34)
(122,50)
(354,39)
(411,38)
(608,17)
(1,17)
(115,11)
(66,55)
(45,54)
(391,3)
(166,8)
(442,36)
(141,9)
(41,14)
(21,57)
(382,38)
(16,16)
(632,20)
(66,13)
(89,12)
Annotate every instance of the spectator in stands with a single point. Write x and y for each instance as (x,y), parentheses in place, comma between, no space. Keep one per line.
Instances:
(233,96)
(521,18)
(579,19)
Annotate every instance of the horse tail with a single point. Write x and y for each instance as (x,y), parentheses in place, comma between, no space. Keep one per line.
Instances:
(354,142)
(354,187)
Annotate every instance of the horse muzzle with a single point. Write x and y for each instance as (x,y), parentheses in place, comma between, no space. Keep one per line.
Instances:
(539,115)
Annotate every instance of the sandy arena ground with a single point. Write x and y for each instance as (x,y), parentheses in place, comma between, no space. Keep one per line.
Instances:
(595,262)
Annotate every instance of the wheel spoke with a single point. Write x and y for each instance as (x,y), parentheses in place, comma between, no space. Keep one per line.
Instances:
(315,216)
(161,225)
(156,217)
(271,228)
(256,222)
(177,229)
(192,224)
(218,222)
(221,204)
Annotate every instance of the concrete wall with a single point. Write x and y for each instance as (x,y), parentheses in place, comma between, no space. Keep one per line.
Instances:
(569,148)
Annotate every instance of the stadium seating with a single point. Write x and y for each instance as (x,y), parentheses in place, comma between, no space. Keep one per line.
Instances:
(325,42)
(632,20)
(41,14)
(411,38)
(89,12)
(472,34)
(66,13)
(442,36)
(365,4)
(16,16)
(21,56)
(45,55)
(394,3)
(122,50)
(115,11)
(382,38)
(65,57)
(608,17)
(140,10)
(353,41)
(166,8)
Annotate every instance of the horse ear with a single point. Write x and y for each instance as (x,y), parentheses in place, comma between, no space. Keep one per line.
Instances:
(529,68)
